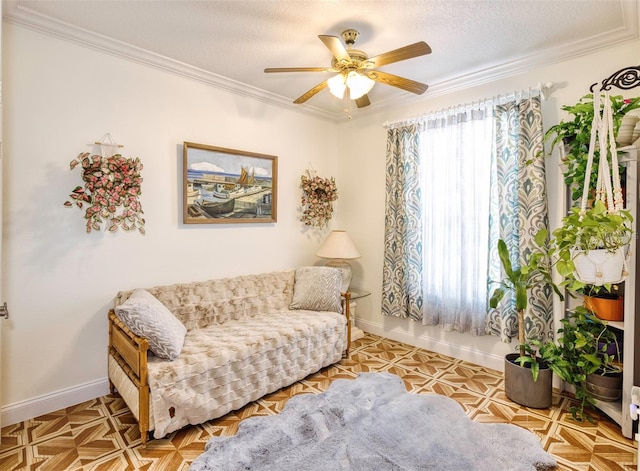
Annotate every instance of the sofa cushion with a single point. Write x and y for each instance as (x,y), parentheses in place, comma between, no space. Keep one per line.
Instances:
(317,289)
(147,317)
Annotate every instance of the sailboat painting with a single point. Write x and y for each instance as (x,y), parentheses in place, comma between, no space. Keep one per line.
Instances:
(222,186)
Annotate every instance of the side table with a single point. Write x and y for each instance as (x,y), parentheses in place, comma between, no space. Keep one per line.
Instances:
(356,333)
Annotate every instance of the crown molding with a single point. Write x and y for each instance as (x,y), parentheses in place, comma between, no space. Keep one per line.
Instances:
(628,33)
(18,14)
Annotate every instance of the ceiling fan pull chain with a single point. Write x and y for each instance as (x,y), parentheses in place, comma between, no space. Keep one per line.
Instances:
(348,104)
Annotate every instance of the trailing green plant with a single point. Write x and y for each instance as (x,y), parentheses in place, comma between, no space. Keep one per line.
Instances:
(595,228)
(607,291)
(575,134)
(518,281)
(580,350)
(318,195)
(111,192)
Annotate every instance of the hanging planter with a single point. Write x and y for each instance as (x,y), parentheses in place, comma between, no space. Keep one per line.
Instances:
(591,248)
(600,266)
(318,195)
(111,191)
(592,243)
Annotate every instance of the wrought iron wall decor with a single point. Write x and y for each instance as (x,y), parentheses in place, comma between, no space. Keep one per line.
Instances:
(625,79)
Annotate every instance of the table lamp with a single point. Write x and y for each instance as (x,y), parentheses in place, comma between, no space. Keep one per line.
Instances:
(339,247)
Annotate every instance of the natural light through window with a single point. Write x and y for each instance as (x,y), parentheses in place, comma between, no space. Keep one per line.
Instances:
(456,154)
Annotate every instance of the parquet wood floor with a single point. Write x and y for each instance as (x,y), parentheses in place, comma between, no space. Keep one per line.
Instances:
(102,435)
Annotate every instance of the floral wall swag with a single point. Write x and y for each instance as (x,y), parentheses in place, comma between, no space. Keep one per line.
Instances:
(112,186)
(318,194)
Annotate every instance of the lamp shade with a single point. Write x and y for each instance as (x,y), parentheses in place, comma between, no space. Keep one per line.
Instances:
(338,245)
(337,85)
(357,84)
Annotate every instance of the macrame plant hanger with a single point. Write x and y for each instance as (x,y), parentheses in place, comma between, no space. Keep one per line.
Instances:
(608,188)
(108,146)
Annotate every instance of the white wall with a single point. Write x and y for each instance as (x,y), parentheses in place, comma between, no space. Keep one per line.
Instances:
(362,206)
(59,281)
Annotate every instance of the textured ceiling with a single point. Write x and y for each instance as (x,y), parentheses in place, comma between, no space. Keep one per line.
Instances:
(472,40)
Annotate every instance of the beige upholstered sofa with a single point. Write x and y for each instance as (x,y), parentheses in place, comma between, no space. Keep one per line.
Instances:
(187,353)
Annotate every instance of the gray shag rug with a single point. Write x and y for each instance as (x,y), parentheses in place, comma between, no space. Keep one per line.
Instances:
(373,424)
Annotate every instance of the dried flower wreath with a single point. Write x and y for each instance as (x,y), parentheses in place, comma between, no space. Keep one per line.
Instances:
(318,194)
(110,183)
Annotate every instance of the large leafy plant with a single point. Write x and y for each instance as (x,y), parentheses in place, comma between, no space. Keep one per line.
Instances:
(112,186)
(518,281)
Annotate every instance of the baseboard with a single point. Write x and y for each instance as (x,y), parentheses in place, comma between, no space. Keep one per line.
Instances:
(37,406)
(24,410)
(460,352)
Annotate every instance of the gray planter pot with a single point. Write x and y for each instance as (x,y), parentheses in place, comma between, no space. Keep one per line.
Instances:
(605,387)
(520,387)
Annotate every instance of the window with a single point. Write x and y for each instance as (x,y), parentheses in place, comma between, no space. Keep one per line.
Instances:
(456,158)
(458,181)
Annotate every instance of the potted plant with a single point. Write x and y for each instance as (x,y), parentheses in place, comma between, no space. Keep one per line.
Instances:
(606,302)
(528,380)
(590,246)
(575,135)
(580,356)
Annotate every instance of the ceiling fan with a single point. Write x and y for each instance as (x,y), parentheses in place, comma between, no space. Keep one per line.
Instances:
(356,73)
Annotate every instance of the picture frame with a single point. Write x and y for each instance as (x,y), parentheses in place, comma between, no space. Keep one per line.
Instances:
(227,186)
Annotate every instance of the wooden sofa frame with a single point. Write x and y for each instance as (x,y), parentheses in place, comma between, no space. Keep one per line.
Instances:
(130,352)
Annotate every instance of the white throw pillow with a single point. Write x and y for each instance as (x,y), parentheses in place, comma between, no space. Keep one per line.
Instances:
(317,289)
(147,317)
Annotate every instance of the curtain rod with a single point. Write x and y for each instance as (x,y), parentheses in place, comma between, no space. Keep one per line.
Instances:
(541,89)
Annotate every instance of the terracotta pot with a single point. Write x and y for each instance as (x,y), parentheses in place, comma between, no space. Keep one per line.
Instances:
(605,308)
(520,387)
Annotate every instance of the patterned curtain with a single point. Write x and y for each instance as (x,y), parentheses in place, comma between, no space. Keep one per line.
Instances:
(436,238)
(518,211)
(428,272)
(402,294)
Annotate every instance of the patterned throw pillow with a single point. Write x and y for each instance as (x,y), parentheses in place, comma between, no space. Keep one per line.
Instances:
(147,317)
(317,289)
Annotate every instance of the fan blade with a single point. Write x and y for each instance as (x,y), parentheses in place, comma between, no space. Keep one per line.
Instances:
(336,47)
(399,82)
(312,92)
(408,52)
(363,101)
(298,69)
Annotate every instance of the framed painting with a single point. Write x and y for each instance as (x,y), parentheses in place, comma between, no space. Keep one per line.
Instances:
(223,186)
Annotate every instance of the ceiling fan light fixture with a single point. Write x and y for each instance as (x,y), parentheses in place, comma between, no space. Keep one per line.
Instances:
(359,85)
(356,72)
(337,85)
